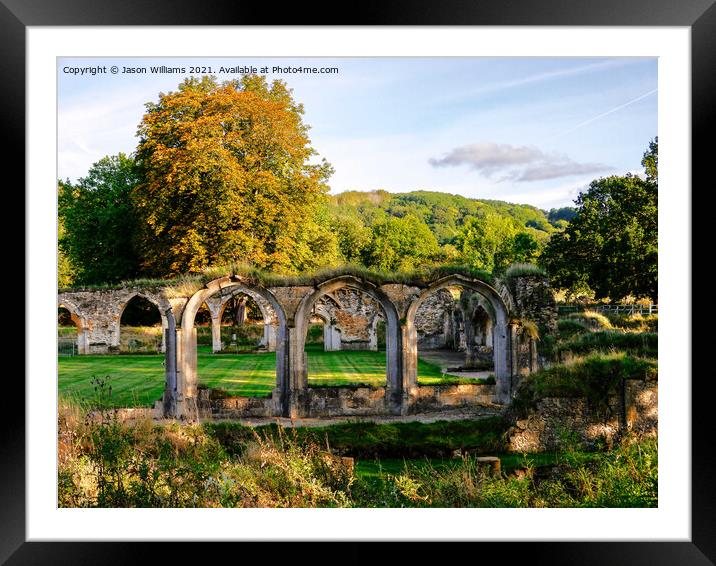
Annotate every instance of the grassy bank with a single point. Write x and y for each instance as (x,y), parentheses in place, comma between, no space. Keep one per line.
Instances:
(109,464)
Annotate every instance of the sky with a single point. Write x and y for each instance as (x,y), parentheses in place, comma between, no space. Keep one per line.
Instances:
(524,130)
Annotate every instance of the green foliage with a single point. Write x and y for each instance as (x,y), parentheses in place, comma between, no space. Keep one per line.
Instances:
(485,242)
(568,327)
(611,245)
(374,440)
(522,269)
(105,463)
(644,344)
(595,377)
(97,224)
(401,244)
(564,214)
(634,322)
(591,319)
(66,270)
(463,230)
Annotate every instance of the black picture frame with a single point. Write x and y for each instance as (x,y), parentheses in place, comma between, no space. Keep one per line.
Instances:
(699,15)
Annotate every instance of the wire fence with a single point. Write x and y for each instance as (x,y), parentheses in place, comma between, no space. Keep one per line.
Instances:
(610,309)
(67,347)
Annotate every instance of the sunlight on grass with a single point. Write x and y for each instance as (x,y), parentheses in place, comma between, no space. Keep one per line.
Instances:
(138,380)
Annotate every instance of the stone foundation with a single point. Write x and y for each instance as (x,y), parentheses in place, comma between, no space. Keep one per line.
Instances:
(555,421)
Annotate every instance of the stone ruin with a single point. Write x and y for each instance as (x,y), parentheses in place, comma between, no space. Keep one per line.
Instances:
(457,312)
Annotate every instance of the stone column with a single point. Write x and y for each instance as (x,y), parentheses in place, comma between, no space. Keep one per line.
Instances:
(170,368)
(296,391)
(216,333)
(410,358)
(395,392)
(187,376)
(82,341)
(502,357)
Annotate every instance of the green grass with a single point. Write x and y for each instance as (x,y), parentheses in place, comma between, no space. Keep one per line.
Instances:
(368,440)
(509,462)
(138,380)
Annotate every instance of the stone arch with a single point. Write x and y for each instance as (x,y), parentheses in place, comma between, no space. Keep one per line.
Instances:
(268,314)
(81,322)
(159,302)
(187,364)
(501,333)
(299,370)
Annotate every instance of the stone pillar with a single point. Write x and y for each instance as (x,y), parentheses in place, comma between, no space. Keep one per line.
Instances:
(410,358)
(216,334)
(170,367)
(271,336)
(395,392)
(297,374)
(503,386)
(186,375)
(82,341)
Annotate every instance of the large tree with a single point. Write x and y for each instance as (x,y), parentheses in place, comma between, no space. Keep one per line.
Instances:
(611,244)
(230,175)
(97,223)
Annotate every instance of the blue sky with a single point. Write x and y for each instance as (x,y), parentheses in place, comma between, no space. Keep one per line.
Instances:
(525,130)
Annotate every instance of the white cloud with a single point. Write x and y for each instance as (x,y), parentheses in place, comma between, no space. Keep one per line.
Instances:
(515,163)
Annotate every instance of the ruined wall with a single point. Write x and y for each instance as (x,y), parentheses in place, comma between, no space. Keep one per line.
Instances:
(434,321)
(345,401)
(100,312)
(354,316)
(534,300)
(213,406)
(430,398)
(556,420)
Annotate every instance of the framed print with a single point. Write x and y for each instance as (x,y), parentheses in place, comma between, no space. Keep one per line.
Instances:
(245,212)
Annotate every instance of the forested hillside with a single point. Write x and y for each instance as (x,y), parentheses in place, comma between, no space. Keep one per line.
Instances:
(400,230)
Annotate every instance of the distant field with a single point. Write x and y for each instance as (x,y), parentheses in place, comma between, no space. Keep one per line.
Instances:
(138,380)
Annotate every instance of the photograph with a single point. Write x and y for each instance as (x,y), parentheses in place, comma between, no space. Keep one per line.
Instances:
(357,282)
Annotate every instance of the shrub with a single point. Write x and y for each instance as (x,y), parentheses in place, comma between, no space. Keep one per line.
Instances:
(523,269)
(568,327)
(635,322)
(596,377)
(638,344)
(591,319)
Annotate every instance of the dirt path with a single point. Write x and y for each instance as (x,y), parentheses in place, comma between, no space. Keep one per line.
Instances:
(451,359)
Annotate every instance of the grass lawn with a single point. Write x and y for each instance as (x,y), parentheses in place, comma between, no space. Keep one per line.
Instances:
(138,380)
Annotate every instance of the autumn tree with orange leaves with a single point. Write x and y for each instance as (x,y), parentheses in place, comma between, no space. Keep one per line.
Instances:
(229,175)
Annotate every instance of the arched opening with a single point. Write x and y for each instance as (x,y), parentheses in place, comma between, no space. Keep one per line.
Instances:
(462,347)
(202,322)
(242,324)
(248,365)
(341,344)
(140,327)
(299,371)
(457,332)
